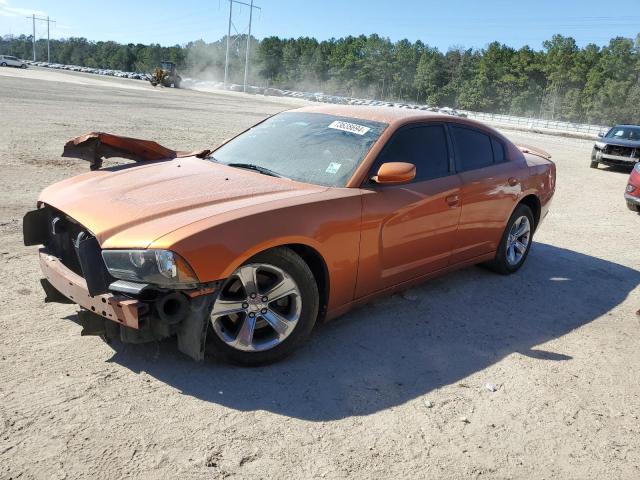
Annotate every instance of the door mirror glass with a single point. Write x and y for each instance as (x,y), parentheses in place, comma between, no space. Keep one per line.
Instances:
(394,173)
(601,134)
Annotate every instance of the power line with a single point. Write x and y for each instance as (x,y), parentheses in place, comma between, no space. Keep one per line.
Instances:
(42,19)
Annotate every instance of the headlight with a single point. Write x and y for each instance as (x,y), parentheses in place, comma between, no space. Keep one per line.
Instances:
(600,145)
(160,267)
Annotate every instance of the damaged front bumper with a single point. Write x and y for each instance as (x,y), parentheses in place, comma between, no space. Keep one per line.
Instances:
(615,160)
(97,146)
(131,312)
(117,308)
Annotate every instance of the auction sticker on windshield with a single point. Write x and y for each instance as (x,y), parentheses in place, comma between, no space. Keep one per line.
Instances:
(349,127)
(333,167)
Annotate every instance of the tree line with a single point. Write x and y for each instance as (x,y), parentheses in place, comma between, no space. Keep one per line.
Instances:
(561,81)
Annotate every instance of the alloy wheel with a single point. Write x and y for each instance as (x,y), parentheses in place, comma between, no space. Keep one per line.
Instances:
(518,240)
(258,307)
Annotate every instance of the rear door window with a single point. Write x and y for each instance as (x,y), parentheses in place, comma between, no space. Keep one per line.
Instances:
(425,146)
(473,148)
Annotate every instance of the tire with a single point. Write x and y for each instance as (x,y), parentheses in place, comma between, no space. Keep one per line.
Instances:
(23,66)
(225,331)
(3,64)
(594,164)
(503,262)
(633,206)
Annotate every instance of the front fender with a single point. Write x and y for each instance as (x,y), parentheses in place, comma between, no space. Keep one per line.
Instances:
(330,226)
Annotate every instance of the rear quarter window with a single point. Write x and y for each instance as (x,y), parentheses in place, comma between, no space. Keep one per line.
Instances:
(498,151)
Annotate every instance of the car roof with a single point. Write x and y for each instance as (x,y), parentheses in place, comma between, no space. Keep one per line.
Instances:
(382,114)
(395,117)
(627,125)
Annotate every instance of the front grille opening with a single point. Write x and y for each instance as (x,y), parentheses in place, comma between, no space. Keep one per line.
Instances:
(63,230)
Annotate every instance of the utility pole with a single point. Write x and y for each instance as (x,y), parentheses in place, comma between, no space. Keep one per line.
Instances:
(48,50)
(246,60)
(226,61)
(34,18)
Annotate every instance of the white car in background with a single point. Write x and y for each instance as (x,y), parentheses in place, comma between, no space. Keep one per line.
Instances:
(11,61)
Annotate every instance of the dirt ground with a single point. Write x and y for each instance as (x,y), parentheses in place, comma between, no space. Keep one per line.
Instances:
(396,389)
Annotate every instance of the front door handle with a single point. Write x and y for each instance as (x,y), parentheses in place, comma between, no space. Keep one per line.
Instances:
(453,200)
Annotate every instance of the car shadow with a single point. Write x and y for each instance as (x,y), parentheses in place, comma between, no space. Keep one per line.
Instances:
(402,347)
(622,169)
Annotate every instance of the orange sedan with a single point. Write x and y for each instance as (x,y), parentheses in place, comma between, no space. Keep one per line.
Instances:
(299,218)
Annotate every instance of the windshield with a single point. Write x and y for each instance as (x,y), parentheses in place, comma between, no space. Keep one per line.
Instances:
(307,147)
(624,133)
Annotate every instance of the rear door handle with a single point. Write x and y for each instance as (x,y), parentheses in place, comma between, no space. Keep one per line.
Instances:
(453,200)
(513,181)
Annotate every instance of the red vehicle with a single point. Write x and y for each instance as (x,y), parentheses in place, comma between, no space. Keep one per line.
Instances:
(632,192)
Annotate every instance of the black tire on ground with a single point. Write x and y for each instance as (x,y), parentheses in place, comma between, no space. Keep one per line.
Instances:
(633,206)
(500,264)
(3,64)
(176,82)
(594,164)
(23,66)
(296,267)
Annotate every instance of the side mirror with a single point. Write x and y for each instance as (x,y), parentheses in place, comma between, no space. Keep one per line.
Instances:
(601,134)
(394,173)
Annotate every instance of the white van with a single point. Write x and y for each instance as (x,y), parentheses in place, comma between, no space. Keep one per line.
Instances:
(11,61)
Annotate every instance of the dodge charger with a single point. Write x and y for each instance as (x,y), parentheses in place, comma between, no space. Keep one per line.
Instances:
(239,251)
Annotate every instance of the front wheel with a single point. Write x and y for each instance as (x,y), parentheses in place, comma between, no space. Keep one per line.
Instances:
(265,309)
(23,66)
(515,243)
(594,164)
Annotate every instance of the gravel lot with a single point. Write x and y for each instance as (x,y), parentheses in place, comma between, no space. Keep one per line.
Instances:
(396,389)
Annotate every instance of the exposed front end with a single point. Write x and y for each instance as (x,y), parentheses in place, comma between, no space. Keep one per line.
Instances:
(117,302)
(615,155)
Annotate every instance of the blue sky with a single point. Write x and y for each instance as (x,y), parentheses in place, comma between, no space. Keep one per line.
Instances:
(441,24)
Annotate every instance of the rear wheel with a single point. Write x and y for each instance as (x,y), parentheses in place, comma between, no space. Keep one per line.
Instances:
(3,64)
(265,309)
(515,243)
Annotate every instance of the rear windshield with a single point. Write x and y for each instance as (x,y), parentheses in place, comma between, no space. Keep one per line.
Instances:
(307,147)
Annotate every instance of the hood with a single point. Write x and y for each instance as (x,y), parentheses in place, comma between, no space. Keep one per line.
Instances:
(131,206)
(620,142)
